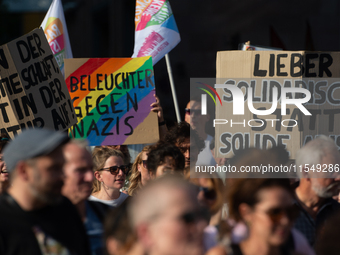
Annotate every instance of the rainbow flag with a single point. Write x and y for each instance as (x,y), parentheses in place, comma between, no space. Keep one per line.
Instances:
(112,98)
(156,30)
(54,26)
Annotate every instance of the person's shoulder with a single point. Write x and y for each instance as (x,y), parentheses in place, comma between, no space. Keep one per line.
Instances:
(99,208)
(217,250)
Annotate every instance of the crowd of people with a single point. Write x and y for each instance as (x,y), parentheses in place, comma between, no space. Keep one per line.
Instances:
(59,196)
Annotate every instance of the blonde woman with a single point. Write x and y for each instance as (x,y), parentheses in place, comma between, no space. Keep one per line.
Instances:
(139,172)
(110,173)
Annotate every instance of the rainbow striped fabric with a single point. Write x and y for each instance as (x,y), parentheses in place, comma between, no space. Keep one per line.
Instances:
(112,98)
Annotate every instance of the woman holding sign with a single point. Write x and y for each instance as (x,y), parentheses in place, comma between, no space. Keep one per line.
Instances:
(110,173)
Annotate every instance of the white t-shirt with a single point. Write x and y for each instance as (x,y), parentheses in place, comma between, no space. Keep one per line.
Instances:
(205,157)
(114,203)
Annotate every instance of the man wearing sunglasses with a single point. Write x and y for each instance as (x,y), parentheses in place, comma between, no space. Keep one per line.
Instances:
(316,188)
(167,218)
(35,217)
(198,123)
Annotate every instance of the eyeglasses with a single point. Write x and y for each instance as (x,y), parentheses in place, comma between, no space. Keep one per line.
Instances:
(209,194)
(192,111)
(114,170)
(276,214)
(4,171)
(144,164)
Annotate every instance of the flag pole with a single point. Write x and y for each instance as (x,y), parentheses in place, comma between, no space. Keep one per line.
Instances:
(172,85)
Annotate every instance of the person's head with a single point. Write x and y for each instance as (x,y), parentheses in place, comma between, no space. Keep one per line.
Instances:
(109,169)
(35,161)
(211,192)
(265,205)
(118,234)
(179,135)
(78,171)
(193,115)
(4,140)
(327,242)
(317,154)
(124,149)
(164,157)
(166,217)
(139,171)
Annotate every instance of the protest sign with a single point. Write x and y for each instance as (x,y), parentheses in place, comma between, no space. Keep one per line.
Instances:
(33,92)
(256,74)
(112,98)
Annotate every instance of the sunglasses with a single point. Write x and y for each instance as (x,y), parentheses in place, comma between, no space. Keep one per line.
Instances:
(192,111)
(276,214)
(144,164)
(114,170)
(209,194)
(191,216)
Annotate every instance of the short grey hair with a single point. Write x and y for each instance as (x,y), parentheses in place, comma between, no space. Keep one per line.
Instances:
(314,152)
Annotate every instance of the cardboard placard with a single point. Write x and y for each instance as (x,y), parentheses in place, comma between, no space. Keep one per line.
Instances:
(33,92)
(318,72)
(112,98)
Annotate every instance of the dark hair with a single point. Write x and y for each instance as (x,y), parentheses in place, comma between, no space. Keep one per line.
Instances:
(4,140)
(182,131)
(159,151)
(117,226)
(247,190)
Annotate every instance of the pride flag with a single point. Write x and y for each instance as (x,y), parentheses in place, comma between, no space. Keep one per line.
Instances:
(112,98)
(54,26)
(156,30)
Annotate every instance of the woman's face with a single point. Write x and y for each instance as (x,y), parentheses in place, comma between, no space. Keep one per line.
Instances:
(143,169)
(272,217)
(110,180)
(206,195)
(3,176)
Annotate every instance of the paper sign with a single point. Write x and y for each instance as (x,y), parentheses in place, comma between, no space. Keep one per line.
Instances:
(33,92)
(316,72)
(112,98)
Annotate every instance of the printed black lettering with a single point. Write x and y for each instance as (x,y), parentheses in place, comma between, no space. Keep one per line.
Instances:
(148,77)
(280,66)
(24,52)
(93,127)
(126,122)
(257,71)
(38,43)
(4,112)
(107,125)
(296,65)
(133,102)
(57,120)
(326,61)
(3,59)
(73,83)
(225,140)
